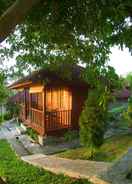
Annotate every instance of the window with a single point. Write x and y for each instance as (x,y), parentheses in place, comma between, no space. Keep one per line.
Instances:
(58,98)
(36,101)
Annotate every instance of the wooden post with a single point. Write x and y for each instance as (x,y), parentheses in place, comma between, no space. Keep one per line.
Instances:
(24,104)
(44,110)
(30,107)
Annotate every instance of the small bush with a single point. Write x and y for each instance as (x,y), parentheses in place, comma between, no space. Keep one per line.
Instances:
(128,114)
(112,116)
(70,135)
(1,119)
(32,133)
(13,109)
(116,117)
(118,110)
(93,121)
(7,116)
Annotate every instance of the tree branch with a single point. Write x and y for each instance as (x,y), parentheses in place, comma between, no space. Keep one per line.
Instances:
(14,15)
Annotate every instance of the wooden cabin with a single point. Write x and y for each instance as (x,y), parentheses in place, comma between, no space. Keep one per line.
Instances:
(50,102)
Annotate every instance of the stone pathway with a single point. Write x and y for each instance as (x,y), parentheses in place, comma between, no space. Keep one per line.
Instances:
(73,168)
(18,147)
(9,132)
(117,174)
(35,148)
(96,172)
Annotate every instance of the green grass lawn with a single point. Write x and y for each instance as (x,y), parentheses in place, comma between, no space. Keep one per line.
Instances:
(15,171)
(112,149)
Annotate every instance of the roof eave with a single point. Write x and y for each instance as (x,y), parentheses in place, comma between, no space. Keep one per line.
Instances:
(20,85)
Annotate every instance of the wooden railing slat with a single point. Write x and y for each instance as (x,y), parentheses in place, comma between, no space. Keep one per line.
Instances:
(58,119)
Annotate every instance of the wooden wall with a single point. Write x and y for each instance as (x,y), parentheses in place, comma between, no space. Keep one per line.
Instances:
(60,109)
(78,100)
(58,98)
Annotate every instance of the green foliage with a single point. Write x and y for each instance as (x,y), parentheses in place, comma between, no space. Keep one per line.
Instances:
(128,113)
(32,133)
(1,119)
(53,32)
(93,121)
(128,80)
(15,171)
(119,109)
(111,150)
(13,109)
(7,116)
(3,89)
(70,135)
(116,113)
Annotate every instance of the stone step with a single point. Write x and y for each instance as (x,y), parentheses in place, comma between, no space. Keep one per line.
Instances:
(18,147)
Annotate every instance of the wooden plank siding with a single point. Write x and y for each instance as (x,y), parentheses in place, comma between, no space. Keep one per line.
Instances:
(79,96)
(51,102)
(32,110)
(52,109)
(58,108)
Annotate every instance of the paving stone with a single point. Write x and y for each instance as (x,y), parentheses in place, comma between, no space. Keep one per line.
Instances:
(18,147)
(35,148)
(118,172)
(74,168)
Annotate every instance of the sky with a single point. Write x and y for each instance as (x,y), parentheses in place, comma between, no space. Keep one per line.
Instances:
(121,61)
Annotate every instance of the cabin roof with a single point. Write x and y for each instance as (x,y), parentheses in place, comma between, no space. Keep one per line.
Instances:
(70,74)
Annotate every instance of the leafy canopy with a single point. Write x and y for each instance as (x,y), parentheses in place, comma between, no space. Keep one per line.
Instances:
(73,31)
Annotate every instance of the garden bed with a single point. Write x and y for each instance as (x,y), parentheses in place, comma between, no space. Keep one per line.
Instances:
(112,149)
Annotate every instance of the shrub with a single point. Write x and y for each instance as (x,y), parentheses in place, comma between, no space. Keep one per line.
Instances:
(128,113)
(116,113)
(70,135)
(1,119)
(32,133)
(93,122)
(13,109)
(7,116)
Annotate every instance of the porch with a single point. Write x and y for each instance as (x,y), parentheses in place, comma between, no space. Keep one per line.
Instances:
(46,110)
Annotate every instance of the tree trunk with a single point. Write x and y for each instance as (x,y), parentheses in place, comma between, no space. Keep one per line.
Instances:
(1,181)
(14,15)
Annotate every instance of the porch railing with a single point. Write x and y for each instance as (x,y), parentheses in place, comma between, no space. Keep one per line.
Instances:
(58,119)
(54,120)
(36,117)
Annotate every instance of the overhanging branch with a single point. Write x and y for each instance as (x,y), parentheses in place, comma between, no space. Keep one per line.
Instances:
(14,15)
